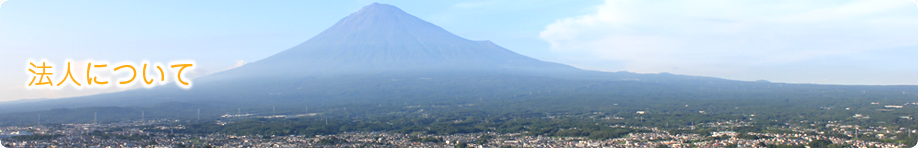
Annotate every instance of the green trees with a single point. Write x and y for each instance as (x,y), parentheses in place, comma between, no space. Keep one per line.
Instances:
(426,139)
(784,146)
(824,144)
(752,137)
(331,140)
(483,139)
(819,143)
(462,145)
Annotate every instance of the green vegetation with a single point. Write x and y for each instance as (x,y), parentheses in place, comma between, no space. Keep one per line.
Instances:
(671,103)
(307,126)
(753,137)
(784,146)
(331,140)
(426,139)
(483,139)
(462,145)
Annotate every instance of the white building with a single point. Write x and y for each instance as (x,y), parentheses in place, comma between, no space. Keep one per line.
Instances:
(893,106)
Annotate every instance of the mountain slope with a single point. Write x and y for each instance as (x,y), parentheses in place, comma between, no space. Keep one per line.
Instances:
(381,38)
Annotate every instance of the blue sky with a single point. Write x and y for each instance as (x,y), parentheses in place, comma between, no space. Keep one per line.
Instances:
(870,42)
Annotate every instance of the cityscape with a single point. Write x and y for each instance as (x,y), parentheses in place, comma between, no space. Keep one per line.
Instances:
(159,134)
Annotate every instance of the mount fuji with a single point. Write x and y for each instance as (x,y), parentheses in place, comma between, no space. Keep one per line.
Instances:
(382,55)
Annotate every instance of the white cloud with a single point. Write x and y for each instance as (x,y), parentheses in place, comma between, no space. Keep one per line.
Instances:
(721,37)
(239,63)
